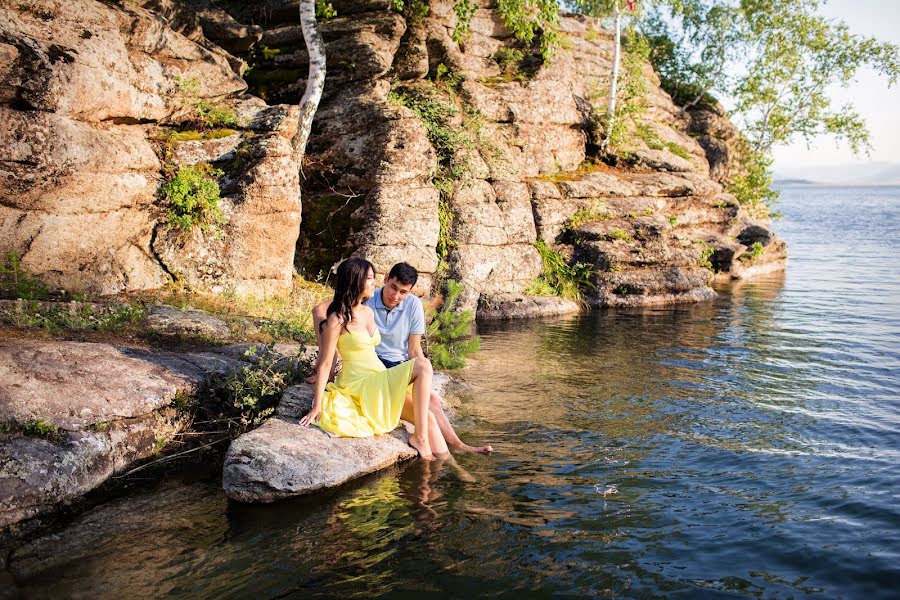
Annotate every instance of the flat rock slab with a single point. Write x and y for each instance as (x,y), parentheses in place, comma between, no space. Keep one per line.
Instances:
(512,306)
(109,403)
(280,459)
(168,320)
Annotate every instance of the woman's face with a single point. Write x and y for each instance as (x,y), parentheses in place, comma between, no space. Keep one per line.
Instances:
(369,289)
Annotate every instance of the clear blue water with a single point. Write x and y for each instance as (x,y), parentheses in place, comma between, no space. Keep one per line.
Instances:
(748,446)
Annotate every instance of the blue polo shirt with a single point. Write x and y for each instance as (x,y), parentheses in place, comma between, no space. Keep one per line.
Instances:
(396,325)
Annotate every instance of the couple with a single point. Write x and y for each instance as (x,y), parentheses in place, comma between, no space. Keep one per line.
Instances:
(378,333)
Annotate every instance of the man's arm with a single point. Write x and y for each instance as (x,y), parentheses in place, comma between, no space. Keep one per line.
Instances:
(416,331)
(415,346)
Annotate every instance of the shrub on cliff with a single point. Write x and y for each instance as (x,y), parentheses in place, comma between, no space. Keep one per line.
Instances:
(192,197)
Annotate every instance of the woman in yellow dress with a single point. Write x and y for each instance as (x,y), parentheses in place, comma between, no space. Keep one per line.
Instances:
(366,398)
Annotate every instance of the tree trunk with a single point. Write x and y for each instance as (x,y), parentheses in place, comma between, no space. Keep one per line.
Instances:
(315,81)
(611,110)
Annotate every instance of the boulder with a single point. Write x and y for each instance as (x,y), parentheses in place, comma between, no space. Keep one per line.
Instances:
(280,459)
(104,406)
(513,306)
(167,320)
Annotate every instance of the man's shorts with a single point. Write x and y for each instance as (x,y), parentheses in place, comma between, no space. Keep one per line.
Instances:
(391,363)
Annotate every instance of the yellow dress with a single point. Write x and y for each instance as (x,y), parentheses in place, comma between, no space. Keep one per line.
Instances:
(366,398)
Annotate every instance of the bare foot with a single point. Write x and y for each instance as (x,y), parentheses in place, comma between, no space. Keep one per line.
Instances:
(467,448)
(422,447)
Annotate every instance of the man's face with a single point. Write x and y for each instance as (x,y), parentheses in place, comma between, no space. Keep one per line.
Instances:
(394,292)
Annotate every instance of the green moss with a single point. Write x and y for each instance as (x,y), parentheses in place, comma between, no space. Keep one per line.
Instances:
(616,234)
(594,213)
(40,428)
(193,135)
(654,142)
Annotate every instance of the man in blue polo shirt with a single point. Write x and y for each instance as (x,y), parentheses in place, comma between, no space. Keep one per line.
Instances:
(401,321)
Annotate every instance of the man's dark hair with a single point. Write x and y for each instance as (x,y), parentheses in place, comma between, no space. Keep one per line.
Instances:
(405,273)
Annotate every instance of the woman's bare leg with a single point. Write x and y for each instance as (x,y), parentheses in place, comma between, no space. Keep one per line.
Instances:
(435,438)
(421,380)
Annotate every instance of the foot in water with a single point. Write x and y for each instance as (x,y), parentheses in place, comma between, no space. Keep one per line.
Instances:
(460,447)
(422,447)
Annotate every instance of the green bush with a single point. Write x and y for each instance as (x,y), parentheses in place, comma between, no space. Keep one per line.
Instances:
(17,282)
(509,59)
(564,279)
(245,396)
(192,197)
(449,333)
(753,189)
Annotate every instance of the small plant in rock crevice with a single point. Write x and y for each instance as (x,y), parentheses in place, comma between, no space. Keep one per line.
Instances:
(192,199)
(203,113)
(565,280)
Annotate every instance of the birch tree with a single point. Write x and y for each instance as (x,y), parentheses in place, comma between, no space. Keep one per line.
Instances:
(315,81)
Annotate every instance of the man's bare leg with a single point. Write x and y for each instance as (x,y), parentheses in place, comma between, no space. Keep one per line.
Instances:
(436,408)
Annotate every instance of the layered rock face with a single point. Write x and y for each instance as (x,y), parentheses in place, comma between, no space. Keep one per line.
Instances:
(453,157)
(85,88)
(376,174)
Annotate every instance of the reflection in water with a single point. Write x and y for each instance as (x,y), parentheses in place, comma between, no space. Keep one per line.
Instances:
(747,446)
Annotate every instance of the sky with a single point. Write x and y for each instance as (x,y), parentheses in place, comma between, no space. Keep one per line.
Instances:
(878,104)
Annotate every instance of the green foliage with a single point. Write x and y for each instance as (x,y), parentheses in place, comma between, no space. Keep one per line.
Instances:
(616,234)
(295,328)
(756,250)
(673,220)
(247,395)
(55,317)
(42,429)
(753,189)
(591,214)
(17,282)
(539,287)
(204,113)
(528,18)
(632,94)
(417,9)
(324,10)
(192,199)
(465,10)
(706,252)
(782,56)
(564,279)
(449,333)
(508,59)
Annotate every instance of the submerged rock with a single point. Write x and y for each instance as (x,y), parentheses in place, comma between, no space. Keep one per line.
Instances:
(280,459)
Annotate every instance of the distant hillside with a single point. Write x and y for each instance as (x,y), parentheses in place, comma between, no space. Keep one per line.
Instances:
(874,173)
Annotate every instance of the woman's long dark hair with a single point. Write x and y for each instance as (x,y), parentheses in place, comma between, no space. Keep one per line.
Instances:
(348,287)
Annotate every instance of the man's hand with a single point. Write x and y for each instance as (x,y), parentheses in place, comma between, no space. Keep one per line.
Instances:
(415,346)
(311,417)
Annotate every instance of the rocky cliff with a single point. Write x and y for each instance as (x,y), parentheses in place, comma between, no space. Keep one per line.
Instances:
(455,157)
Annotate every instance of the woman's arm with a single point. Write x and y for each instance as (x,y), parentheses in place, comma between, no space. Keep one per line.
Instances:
(330,333)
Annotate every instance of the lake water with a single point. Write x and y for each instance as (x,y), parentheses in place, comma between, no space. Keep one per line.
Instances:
(748,446)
